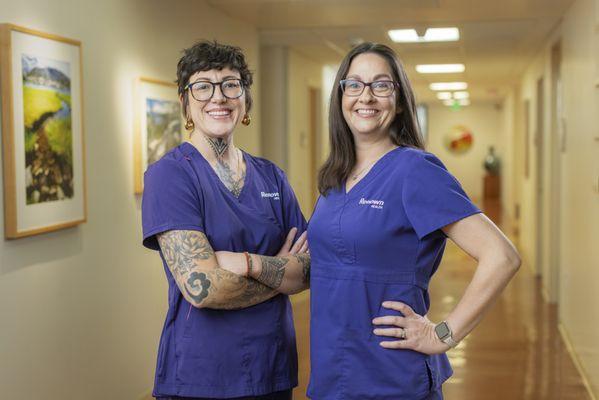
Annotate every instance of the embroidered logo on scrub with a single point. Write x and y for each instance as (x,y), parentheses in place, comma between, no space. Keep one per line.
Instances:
(378,204)
(274,195)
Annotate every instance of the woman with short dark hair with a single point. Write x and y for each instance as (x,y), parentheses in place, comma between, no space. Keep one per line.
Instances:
(377,236)
(224,223)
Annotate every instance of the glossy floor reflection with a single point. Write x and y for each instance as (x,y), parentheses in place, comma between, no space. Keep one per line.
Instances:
(515,353)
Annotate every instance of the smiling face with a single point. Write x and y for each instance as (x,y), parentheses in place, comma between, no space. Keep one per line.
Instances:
(368,114)
(218,116)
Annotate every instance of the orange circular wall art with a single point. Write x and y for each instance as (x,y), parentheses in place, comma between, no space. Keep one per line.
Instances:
(458,140)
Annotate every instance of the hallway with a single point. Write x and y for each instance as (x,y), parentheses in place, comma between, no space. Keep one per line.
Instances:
(516,353)
(506,95)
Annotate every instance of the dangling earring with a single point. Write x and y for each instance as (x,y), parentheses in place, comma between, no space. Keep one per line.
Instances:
(189,125)
(246,120)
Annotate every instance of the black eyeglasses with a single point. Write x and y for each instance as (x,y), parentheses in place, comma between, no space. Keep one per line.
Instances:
(204,90)
(354,87)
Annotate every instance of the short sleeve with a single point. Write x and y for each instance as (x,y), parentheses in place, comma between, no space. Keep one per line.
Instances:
(292,213)
(169,202)
(432,197)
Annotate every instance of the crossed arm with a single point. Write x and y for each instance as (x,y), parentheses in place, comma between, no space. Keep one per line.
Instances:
(206,283)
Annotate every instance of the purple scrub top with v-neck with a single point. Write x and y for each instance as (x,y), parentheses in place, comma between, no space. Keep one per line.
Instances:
(379,241)
(222,353)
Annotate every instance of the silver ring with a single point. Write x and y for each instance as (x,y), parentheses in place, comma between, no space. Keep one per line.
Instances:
(403,333)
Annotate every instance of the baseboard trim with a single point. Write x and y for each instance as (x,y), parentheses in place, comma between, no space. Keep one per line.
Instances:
(570,348)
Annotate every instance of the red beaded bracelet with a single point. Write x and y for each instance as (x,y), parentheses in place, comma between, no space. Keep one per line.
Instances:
(248,261)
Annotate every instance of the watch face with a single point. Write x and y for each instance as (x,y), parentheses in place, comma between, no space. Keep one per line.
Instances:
(442,330)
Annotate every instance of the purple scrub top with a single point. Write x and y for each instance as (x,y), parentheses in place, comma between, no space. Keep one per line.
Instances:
(381,241)
(221,353)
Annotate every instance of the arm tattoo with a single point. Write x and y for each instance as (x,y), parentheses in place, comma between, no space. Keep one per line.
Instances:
(182,248)
(203,286)
(251,293)
(273,269)
(304,261)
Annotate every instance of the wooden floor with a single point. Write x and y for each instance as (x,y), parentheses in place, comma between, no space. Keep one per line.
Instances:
(515,353)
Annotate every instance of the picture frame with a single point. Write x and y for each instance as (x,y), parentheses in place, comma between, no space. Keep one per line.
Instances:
(158,124)
(43,148)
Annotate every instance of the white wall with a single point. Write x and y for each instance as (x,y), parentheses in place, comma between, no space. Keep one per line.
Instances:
(303,74)
(484,121)
(81,310)
(579,253)
(578,209)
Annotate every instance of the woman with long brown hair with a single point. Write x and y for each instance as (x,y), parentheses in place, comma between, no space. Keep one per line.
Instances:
(377,236)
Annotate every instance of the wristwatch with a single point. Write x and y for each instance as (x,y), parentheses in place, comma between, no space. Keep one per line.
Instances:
(444,333)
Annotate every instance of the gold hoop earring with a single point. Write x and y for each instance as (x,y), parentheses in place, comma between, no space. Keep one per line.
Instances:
(189,125)
(246,120)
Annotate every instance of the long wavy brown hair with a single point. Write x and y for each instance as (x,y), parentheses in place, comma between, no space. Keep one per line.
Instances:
(404,130)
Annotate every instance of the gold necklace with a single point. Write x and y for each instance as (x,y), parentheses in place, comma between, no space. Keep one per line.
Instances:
(356,175)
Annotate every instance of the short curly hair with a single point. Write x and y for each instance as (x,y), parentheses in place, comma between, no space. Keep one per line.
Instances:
(205,55)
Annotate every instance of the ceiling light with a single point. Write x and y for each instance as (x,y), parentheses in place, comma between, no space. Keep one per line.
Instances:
(448,103)
(444,96)
(440,68)
(448,86)
(404,36)
(464,102)
(442,34)
(431,35)
(461,95)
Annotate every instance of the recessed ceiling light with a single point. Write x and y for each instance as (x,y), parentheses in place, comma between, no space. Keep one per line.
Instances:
(442,34)
(448,86)
(440,68)
(431,35)
(404,36)
(461,95)
(444,96)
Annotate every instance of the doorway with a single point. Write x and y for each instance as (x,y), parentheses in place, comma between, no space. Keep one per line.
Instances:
(539,140)
(556,147)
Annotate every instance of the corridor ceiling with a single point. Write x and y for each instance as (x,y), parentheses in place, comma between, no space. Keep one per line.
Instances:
(498,38)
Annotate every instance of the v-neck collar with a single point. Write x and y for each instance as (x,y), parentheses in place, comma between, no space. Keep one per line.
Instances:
(378,166)
(212,172)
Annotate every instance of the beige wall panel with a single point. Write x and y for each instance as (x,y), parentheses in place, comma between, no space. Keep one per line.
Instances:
(81,310)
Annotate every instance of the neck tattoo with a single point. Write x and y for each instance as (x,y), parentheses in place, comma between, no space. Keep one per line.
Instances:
(219,146)
(233,180)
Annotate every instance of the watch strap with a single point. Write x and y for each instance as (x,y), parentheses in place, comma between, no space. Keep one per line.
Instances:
(450,342)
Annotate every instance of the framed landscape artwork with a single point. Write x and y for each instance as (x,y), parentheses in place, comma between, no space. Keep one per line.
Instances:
(42,132)
(158,124)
